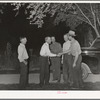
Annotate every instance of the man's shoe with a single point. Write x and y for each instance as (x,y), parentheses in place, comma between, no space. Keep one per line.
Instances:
(54,80)
(41,85)
(58,81)
(76,88)
(47,83)
(71,84)
(82,86)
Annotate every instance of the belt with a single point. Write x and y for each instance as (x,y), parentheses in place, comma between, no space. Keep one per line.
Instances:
(78,55)
(44,56)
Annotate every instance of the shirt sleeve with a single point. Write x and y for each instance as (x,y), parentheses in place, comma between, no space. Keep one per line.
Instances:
(45,51)
(63,47)
(20,53)
(48,53)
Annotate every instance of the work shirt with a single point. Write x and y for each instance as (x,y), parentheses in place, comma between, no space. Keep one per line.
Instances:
(75,48)
(45,51)
(66,46)
(55,48)
(22,53)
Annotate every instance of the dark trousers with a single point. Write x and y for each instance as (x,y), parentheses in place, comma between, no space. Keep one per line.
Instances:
(56,64)
(77,73)
(23,75)
(67,68)
(44,71)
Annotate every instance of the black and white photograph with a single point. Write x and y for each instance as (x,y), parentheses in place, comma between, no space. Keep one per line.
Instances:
(50,46)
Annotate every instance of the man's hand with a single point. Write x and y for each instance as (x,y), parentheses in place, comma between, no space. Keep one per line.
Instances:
(74,64)
(59,54)
(25,62)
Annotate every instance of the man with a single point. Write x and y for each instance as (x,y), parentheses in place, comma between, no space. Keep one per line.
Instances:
(55,48)
(45,53)
(23,56)
(67,61)
(75,51)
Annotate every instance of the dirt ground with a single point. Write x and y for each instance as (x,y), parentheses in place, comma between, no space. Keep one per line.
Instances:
(52,86)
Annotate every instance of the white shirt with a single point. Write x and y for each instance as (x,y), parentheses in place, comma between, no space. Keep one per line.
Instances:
(45,51)
(66,45)
(22,53)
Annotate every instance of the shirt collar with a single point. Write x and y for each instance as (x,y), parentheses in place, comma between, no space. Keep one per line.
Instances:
(46,43)
(73,41)
(22,44)
(67,41)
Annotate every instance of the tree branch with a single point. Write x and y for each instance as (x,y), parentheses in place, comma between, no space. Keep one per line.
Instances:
(83,20)
(94,17)
(98,21)
(84,15)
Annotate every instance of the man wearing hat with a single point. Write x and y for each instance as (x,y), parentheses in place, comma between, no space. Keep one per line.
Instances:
(75,51)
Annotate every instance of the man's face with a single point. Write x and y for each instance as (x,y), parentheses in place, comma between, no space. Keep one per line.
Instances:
(53,39)
(49,40)
(65,38)
(24,40)
(70,38)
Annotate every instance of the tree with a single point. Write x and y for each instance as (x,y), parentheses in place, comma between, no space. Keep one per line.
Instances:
(78,13)
(71,13)
(89,13)
(37,11)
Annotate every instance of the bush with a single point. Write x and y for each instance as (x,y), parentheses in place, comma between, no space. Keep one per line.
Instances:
(34,62)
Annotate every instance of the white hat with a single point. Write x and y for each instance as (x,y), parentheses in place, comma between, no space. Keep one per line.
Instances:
(71,33)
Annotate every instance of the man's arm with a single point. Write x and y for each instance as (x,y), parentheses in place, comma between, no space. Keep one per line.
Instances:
(45,51)
(64,52)
(51,54)
(77,48)
(75,60)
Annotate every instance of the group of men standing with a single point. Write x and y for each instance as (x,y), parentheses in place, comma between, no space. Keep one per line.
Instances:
(51,51)
(71,57)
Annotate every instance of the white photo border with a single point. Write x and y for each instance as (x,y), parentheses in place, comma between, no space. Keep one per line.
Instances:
(59,94)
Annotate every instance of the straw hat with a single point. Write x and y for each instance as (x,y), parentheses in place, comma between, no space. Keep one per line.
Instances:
(71,33)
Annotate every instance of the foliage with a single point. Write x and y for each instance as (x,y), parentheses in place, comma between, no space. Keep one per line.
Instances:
(37,11)
(72,13)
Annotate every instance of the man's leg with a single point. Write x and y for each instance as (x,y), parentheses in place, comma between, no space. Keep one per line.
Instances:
(80,71)
(57,68)
(53,62)
(23,75)
(70,69)
(42,68)
(65,69)
(47,72)
(77,72)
